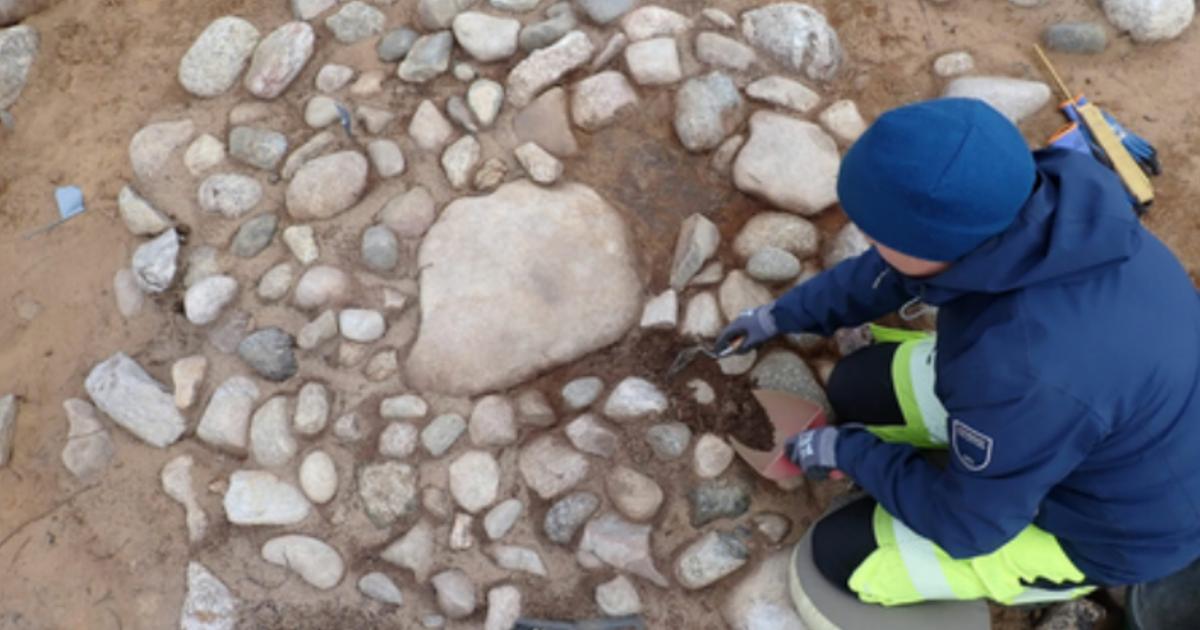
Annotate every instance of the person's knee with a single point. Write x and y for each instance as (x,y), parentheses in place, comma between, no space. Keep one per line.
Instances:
(860,388)
(840,389)
(843,539)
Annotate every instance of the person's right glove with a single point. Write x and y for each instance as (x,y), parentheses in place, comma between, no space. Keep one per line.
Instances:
(750,330)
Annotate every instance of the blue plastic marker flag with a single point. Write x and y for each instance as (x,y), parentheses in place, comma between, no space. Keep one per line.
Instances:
(70,201)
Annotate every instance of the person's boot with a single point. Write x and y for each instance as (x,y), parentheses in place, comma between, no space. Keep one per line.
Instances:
(1172,603)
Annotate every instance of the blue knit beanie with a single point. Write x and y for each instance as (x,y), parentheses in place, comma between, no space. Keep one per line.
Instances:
(936,179)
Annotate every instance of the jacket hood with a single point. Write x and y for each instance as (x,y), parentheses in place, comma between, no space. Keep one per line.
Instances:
(1077,221)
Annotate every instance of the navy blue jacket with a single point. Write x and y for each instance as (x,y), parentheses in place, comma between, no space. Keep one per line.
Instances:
(1068,357)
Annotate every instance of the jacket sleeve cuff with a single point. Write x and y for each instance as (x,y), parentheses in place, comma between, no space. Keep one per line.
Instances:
(851,444)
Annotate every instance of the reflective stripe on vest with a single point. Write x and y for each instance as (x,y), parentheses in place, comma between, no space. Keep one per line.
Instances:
(921,562)
(923,376)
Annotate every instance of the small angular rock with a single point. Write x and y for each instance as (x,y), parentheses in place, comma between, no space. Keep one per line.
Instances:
(440,434)
(455,593)
(702,317)
(254,236)
(714,556)
(720,51)
(635,398)
(605,11)
(151,147)
(503,608)
(260,148)
(388,491)
(501,518)
(544,67)
(89,449)
(541,167)
(257,497)
(522,559)
(312,559)
(380,249)
(1086,38)
(187,374)
(547,123)
(550,467)
(208,604)
(796,35)
(203,154)
(622,545)
(398,440)
(493,422)
(387,157)
(654,62)
(428,58)
(1017,99)
(486,38)
(355,22)
(410,214)
(843,121)
(600,99)
(279,58)
(567,515)
(327,186)
(772,265)
(618,597)
(588,434)
(560,20)
(670,440)
(716,499)
(379,587)
(226,421)
(229,195)
(271,440)
(140,217)
(654,21)
(395,45)
(582,392)
(485,97)
(953,64)
(635,495)
(154,262)
(460,159)
(697,242)
(133,399)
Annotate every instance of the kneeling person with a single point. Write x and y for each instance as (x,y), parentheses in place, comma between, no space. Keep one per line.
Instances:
(1062,378)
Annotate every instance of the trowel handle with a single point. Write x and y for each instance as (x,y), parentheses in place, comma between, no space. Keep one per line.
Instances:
(729,350)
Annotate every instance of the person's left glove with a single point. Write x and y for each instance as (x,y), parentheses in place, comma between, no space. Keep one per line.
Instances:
(814,451)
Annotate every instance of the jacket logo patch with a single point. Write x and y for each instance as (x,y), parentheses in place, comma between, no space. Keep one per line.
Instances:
(973,448)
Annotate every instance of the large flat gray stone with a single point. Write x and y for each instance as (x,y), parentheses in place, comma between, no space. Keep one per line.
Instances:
(519,281)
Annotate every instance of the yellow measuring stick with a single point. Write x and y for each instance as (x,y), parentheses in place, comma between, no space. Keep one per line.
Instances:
(1127,169)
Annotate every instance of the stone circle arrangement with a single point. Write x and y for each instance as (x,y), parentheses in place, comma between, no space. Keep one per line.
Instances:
(368,291)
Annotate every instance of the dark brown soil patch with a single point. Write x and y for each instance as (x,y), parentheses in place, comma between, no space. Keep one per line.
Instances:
(735,413)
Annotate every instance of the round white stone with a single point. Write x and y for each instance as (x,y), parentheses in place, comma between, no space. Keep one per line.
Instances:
(318,477)
(361,325)
(204,301)
(474,480)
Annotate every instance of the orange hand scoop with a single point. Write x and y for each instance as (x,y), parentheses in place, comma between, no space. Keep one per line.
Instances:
(789,414)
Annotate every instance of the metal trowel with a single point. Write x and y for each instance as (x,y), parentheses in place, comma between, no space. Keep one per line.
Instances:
(687,355)
(789,414)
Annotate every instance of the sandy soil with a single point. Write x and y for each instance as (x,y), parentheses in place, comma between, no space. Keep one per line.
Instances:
(113,555)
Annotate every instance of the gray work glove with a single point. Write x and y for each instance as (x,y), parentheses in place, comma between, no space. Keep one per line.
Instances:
(750,330)
(814,451)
